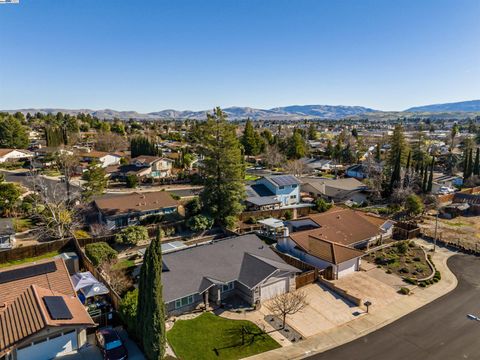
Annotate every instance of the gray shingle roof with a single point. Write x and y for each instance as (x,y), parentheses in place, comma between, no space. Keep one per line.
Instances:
(244,258)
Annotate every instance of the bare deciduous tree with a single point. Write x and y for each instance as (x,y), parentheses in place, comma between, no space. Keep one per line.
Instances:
(117,277)
(296,167)
(273,156)
(287,304)
(108,141)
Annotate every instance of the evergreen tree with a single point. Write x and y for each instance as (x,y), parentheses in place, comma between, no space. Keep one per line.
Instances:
(151,309)
(430,178)
(468,164)
(223,169)
(378,153)
(398,145)
(296,147)
(476,167)
(249,140)
(13,134)
(396,173)
(95,181)
(143,146)
(312,132)
(425,179)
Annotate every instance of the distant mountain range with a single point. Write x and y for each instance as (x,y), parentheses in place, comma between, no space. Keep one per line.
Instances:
(293,112)
(465,106)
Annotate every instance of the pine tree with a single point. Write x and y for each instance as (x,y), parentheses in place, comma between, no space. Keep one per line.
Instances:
(223,169)
(398,145)
(151,309)
(467,164)
(96,181)
(476,167)
(430,178)
(249,140)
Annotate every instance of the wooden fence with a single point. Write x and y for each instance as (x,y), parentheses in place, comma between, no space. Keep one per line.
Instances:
(87,264)
(276,213)
(449,197)
(290,260)
(308,277)
(24,252)
(405,231)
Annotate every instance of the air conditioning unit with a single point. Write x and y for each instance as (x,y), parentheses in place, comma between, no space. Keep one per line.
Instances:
(71,261)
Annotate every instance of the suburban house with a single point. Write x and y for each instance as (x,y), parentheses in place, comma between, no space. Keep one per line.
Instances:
(322,165)
(104,158)
(14,155)
(40,314)
(337,190)
(7,234)
(158,167)
(357,171)
(442,181)
(273,192)
(210,274)
(117,211)
(334,239)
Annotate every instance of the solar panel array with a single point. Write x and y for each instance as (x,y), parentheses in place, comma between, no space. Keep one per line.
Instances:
(283,180)
(57,308)
(26,272)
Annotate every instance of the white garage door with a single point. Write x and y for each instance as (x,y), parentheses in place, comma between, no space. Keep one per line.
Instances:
(50,348)
(269,291)
(346,268)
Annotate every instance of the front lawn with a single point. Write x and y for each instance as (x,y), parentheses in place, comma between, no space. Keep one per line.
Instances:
(212,337)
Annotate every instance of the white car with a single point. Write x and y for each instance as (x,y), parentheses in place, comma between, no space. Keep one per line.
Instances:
(445,190)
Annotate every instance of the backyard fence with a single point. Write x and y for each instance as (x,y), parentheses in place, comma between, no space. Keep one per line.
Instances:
(290,260)
(306,278)
(405,231)
(24,252)
(276,213)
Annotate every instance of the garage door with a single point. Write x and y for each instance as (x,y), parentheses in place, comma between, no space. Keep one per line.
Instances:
(49,348)
(269,291)
(346,268)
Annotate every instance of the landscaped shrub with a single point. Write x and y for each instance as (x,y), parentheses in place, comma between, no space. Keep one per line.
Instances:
(321,205)
(422,284)
(416,258)
(132,235)
(131,181)
(404,270)
(410,280)
(437,275)
(402,247)
(388,271)
(100,252)
(404,291)
(199,223)
(251,220)
(288,215)
(128,311)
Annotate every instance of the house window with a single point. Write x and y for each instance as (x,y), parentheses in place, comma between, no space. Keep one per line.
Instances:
(187,300)
(293,196)
(294,186)
(227,287)
(282,187)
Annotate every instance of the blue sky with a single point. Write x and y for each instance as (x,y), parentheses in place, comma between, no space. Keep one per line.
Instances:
(149,55)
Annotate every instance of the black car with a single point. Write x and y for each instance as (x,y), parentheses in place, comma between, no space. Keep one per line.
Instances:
(111,345)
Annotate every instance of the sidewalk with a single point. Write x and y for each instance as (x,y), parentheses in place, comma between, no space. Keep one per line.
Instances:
(374,320)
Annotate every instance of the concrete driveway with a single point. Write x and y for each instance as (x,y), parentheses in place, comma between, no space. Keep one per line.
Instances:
(325,310)
(368,286)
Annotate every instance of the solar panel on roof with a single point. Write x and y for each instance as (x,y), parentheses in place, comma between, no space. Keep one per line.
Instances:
(283,180)
(26,272)
(57,308)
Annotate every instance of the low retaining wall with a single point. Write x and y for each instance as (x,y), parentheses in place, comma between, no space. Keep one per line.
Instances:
(353,299)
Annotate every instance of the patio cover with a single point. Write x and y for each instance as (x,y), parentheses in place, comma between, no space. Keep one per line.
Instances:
(272,223)
(94,290)
(83,279)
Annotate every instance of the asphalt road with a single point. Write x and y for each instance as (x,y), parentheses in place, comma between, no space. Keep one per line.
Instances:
(52,187)
(439,330)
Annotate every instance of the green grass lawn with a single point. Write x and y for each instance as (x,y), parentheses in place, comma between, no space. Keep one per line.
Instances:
(198,338)
(29,260)
(124,264)
(250,177)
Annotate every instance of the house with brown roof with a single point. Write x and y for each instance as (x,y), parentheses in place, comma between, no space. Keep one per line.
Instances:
(40,314)
(333,239)
(116,211)
(104,158)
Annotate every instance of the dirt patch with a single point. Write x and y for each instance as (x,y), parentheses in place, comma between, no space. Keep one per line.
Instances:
(405,259)
(462,231)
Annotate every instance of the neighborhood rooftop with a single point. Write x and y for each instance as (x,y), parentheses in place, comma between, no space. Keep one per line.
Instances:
(245,259)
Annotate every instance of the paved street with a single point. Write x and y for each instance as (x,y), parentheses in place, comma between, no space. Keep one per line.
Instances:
(439,330)
(52,186)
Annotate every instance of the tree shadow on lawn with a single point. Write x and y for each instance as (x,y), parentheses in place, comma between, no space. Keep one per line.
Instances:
(238,337)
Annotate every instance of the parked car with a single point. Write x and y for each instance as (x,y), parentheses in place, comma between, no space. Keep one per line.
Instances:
(445,190)
(111,345)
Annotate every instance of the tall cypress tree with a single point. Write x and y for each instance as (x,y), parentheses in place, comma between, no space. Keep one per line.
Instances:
(396,173)
(425,179)
(476,167)
(430,178)
(151,309)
